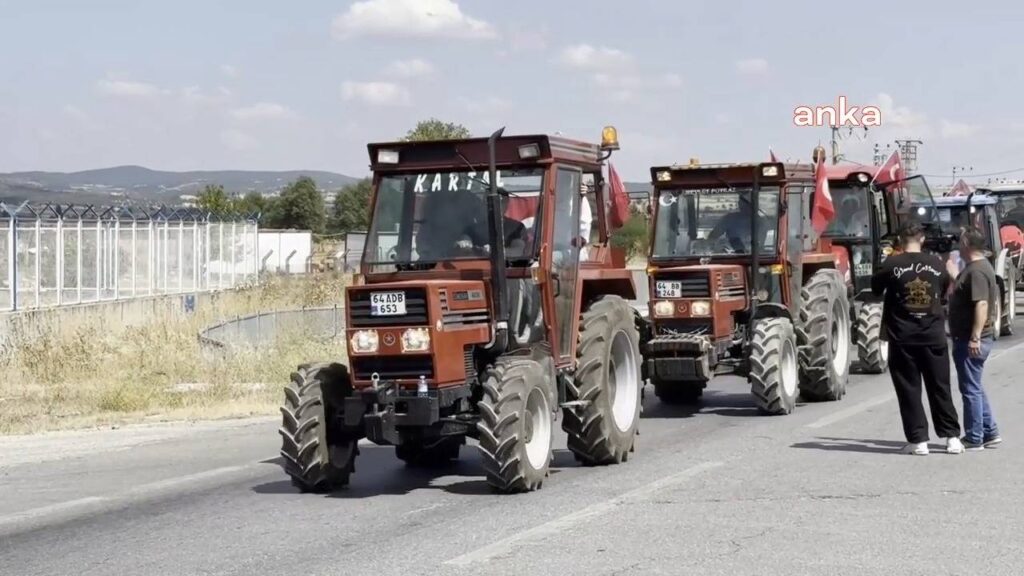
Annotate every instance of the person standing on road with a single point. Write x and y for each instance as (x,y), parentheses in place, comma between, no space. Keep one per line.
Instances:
(972,309)
(914,323)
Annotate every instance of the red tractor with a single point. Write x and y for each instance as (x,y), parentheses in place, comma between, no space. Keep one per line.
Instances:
(740,283)
(476,318)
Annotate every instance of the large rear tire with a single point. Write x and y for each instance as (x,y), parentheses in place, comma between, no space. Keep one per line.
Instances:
(823,336)
(606,390)
(774,379)
(1008,308)
(515,425)
(872,349)
(317,455)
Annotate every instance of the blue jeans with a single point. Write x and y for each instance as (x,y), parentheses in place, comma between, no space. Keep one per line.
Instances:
(979,423)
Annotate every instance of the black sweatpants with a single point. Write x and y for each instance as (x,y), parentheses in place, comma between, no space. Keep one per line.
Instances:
(908,365)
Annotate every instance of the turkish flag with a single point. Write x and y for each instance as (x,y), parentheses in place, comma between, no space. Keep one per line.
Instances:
(961,188)
(891,171)
(619,212)
(823,210)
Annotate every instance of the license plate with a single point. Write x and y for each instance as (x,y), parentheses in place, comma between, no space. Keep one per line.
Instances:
(665,289)
(387,303)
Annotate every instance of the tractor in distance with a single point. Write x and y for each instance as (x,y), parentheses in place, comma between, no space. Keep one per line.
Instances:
(946,217)
(472,319)
(862,234)
(1011,220)
(740,283)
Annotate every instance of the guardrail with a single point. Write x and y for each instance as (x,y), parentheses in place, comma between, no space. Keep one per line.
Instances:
(263,328)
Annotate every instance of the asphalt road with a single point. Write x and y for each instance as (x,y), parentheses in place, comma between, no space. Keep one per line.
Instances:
(718,490)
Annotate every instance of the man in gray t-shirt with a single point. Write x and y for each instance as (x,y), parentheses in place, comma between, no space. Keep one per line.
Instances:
(972,310)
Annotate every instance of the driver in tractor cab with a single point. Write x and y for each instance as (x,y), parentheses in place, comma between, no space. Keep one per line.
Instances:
(735,227)
(1016,214)
(852,218)
(450,224)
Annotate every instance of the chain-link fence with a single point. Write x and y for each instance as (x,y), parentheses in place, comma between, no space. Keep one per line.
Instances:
(265,328)
(58,255)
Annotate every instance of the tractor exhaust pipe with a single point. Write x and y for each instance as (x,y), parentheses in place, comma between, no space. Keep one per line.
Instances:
(496,225)
(755,249)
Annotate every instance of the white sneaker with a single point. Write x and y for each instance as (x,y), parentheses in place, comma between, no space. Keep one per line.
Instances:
(954,446)
(919,449)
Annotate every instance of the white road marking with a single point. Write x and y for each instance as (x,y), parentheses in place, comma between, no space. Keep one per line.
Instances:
(559,525)
(73,508)
(852,411)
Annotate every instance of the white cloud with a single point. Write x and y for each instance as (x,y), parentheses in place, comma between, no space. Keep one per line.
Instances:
(410,19)
(752,66)
(128,89)
(75,113)
(238,140)
(229,70)
(263,111)
(489,105)
(910,121)
(954,130)
(587,57)
(376,93)
(410,68)
(197,96)
(672,80)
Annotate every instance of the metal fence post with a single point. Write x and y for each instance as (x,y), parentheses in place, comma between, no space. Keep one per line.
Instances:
(167,242)
(234,256)
(220,255)
(12,261)
(115,252)
(78,261)
(38,263)
(99,257)
(60,260)
(135,252)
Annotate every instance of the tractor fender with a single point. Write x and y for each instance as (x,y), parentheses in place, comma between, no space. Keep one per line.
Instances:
(772,310)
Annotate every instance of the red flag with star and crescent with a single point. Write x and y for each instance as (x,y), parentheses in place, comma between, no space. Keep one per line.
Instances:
(891,171)
(823,210)
(619,212)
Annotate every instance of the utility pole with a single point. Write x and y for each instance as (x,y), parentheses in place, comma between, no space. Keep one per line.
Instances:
(836,136)
(961,170)
(908,149)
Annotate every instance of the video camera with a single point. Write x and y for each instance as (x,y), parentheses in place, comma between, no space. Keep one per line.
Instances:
(937,240)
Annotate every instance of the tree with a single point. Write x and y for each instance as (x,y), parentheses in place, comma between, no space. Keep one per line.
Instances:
(352,207)
(251,203)
(434,129)
(300,206)
(214,199)
(634,236)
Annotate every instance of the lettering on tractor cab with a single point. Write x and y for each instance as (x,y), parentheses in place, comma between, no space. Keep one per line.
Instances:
(456,181)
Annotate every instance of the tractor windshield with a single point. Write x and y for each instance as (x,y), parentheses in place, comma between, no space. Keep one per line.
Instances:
(426,218)
(853,212)
(1011,209)
(702,222)
(951,219)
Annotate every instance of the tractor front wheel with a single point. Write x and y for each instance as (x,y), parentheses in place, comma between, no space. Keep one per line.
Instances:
(317,455)
(601,423)
(872,349)
(773,371)
(823,335)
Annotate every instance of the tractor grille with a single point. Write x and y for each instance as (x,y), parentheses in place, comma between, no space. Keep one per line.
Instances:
(730,285)
(415,308)
(393,367)
(460,318)
(695,284)
(683,326)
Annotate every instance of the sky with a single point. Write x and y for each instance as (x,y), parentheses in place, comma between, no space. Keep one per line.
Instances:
(271,85)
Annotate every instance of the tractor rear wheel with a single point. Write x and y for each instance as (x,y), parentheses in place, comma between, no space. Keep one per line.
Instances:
(606,389)
(1008,308)
(823,336)
(872,349)
(516,424)
(317,455)
(773,375)
(424,455)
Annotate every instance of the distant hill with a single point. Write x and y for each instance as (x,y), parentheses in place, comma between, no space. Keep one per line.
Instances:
(139,184)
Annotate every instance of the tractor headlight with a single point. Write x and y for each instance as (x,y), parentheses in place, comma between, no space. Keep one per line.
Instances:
(700,308)
(663,308)
(365,342)
(416,340)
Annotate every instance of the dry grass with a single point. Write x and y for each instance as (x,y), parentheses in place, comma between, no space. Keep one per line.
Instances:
(96,371)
